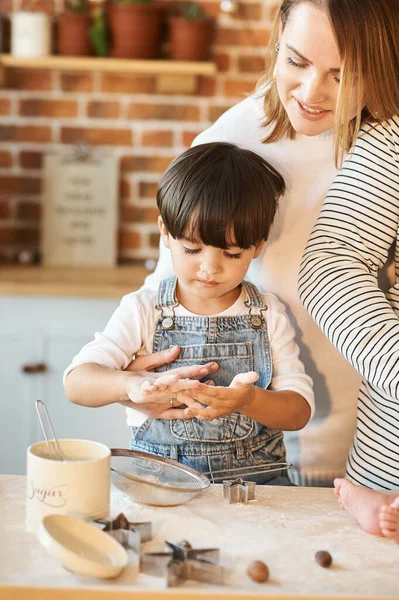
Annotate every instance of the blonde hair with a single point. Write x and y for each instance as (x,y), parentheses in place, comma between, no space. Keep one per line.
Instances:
(367,34)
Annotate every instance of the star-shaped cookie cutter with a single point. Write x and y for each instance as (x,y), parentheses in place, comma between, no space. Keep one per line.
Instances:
(128,533)
(180,562)
(239,490)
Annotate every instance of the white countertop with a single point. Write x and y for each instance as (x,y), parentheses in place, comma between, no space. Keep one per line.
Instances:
(283,526)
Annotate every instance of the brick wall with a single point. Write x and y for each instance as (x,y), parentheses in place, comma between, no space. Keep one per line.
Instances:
(42,111)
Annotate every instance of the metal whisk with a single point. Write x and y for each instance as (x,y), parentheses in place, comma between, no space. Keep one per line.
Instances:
(41,409)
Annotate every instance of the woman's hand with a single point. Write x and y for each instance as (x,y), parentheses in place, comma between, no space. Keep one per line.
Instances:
(155,410)
(157,393)
(222,401)
(150,362)
(163,410)
(161,387)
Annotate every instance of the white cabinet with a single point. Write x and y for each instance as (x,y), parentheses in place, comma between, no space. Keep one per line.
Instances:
(38,338)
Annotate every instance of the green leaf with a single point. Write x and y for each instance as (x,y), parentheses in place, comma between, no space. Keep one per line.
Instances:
(134,1)
(79,6)
(99,33)
(193,12)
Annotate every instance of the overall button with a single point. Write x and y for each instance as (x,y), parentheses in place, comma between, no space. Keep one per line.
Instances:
(256,322)
(168,323)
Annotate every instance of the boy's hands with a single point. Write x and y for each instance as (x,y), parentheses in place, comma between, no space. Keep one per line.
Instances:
(161,388)
(222,401)
(153,399)
(162,410)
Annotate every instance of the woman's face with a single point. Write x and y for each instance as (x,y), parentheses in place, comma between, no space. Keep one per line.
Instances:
(308,70)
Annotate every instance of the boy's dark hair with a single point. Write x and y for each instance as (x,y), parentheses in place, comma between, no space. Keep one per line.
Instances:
(215,188)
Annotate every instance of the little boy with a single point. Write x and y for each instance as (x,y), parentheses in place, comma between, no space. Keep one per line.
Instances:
(217,203)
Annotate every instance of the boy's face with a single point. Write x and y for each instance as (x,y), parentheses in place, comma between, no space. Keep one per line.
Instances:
(207,273)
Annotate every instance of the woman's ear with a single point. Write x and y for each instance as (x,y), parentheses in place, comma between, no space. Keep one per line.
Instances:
(258,248)
(164,232)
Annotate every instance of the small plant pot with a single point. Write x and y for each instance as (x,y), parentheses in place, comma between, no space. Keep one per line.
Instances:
(191,39)
(73,34)
(135,30)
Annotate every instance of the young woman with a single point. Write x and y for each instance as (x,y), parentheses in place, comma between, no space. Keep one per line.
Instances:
(332,69)
(357,231)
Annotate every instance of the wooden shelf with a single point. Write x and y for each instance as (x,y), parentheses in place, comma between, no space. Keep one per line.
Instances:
(77,282)
(169,72)
(121,65)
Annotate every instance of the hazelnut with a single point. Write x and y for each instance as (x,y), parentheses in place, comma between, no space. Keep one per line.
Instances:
(258,571)
(324,558)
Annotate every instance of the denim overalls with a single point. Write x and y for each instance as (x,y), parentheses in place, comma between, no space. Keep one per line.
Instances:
(238,346)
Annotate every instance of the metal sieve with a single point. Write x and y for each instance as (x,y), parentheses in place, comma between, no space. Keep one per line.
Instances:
(151,479)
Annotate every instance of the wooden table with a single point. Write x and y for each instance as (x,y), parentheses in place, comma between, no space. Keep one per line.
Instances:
(283,527)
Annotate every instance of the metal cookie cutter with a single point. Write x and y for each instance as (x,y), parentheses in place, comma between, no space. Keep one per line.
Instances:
(180,562)
(127,533)
(239,490)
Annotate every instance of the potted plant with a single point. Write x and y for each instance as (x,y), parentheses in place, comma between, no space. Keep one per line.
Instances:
(191,33)
(135,27)
(73,29)
(99,33)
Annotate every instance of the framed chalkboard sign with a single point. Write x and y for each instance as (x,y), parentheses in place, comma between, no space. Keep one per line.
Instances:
(80,212)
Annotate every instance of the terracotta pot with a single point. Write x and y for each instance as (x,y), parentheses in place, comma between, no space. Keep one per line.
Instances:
(135,30)
(191,39)
(73,34)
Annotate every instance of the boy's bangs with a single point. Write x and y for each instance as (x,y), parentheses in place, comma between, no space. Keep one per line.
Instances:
(218,228)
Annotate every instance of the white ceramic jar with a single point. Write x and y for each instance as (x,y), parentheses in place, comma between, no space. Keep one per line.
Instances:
(30,34)
(78,486)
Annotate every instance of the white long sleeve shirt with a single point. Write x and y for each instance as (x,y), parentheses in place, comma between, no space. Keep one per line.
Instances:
(319,451)
(130,331)
(357,230)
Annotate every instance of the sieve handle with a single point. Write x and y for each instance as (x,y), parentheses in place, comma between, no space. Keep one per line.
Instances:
(247,471)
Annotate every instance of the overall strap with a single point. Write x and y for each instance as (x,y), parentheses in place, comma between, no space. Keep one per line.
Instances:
(253,296)
(166,293)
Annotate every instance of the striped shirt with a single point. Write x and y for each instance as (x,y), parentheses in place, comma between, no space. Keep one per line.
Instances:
(356,234)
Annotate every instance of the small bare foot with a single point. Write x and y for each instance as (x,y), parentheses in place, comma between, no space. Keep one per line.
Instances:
(364,504)
(337,488)
(389,520)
